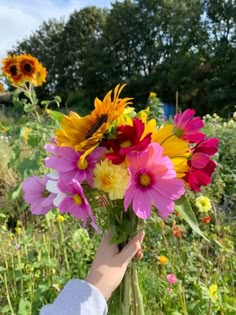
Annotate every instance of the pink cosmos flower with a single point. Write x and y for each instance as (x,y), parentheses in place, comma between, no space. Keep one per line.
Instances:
(187,127)
(67,162)
(171,278)
(75,202)
(201,167)
(153,182)
(35,193)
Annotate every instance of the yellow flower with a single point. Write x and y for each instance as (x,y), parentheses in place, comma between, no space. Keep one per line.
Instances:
(25,133)
(60,218)
(40,76)
(2,90)
(112,179)
(85,133)
(152,94)
(212,291)
(203,203)
(11,70)
(163,260)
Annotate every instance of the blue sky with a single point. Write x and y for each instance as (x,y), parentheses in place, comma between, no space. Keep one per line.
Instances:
(19,18)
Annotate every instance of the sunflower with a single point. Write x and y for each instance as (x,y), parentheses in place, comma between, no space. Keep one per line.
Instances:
(29,66)
(85,133)
(11,70)
(40,76)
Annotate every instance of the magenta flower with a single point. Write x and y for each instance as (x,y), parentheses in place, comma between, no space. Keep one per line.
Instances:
(171,278)
(36,194)
(201,167)
(187,127)
(75,202)
(153,182)
(67,162)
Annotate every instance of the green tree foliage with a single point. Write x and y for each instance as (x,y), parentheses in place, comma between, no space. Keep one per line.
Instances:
(164,46)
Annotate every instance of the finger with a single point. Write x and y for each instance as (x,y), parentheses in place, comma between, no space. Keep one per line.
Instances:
(129,251)
(139,254)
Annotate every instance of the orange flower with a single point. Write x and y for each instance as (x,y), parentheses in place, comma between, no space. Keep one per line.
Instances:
(11,70)
(40,76)
(163,260)
(28,66)
(206,219)
(2,90)
(177,231)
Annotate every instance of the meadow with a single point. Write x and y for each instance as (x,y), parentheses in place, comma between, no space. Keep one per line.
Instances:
(38,255)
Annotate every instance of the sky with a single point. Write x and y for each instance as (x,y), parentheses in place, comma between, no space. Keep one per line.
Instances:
(20,18)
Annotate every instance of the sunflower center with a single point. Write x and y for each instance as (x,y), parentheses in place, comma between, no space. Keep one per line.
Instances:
(13,70)
(82,165)
(77,199)
(144,180)
(27,67)
(100,121)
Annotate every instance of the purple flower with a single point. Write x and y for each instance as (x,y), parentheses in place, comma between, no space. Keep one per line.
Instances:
(75,202)
(35,193)
(68,163)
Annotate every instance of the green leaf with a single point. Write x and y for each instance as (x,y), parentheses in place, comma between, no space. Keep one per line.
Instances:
(29,107)
(184,208)
(24,307)
(56,115)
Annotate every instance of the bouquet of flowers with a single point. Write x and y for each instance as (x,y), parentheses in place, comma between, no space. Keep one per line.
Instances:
(127,161)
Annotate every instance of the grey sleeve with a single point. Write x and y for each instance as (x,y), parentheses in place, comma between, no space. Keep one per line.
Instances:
(77,298)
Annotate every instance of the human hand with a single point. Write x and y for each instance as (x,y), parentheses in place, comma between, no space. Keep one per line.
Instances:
(110,264)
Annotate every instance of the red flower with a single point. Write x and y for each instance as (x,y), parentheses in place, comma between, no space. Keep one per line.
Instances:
(129,139)
(206,219)
(187,127)
(177,231)
(201,167)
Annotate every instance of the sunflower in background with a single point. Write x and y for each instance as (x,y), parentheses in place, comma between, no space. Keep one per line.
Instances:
(2,90)
(24,68)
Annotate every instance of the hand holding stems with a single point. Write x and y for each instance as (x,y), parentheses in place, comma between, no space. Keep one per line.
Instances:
(110,264)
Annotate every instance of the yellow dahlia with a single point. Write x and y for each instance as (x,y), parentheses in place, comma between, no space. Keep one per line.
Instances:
(11,70)
(112,179)
(29,66)
(85,133)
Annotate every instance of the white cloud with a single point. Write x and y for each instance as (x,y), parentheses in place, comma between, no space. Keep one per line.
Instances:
(19,18)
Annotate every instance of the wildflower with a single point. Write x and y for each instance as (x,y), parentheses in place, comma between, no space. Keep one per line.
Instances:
(201,167)
(163,260)
(25,133)
(75,202)
(85,133)
(171,278)
(11,70)
(203,203)
(152,94)
(60,218)
(129,138)
(153,181)
(18,230)
(206,219)
(69,165)
(212,291)
(187,127)
(169,290)
(35,193)
(177,231)
(112,179)
(17,247)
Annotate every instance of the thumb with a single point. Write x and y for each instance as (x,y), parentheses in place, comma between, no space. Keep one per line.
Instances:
(130,249)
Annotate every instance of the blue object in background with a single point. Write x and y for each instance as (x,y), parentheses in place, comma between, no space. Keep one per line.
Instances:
(169,110)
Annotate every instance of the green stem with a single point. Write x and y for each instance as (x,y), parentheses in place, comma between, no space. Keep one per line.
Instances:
(139,296)
(8,295)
